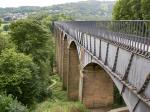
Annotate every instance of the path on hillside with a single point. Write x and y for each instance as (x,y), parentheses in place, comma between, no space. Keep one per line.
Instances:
(54,82)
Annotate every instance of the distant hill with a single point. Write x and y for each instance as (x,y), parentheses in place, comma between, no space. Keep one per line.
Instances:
(85,10)
(23,9)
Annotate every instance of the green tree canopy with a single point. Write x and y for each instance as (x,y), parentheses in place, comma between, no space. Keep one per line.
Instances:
(145,9)
(17,75)
(6,27)
(31,38)
(5,42)
(14,68)
(122,10)
(131,10)
(28,35)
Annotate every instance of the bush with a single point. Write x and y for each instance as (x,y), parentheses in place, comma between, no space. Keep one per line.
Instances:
(8,104)
(44,93)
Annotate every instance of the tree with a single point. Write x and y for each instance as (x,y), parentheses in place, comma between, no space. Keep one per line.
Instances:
(18,75)
(145,7)
(39,16)
(6,27)
(122,10)
(131,9)
(5,42)
(31,38)
(136,9)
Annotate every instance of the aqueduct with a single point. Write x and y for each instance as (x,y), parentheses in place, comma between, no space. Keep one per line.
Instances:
(93,56)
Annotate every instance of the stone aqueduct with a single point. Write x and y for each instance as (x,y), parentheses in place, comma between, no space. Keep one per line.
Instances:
(93,56)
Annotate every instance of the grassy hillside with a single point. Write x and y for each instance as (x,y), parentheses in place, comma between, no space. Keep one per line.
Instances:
(59,102)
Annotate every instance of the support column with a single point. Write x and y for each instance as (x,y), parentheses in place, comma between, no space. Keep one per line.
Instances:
(56,42)
(65,62)
(61,56)
(73,73)
(59,45)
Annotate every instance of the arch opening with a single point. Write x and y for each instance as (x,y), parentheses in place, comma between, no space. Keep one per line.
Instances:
(118,99)
(73,73)
(97,87)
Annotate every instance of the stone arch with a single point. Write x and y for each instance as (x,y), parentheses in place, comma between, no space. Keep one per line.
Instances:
(65,62)
(73,73)
(97,87)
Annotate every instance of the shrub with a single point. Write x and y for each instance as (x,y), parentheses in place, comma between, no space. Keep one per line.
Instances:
(44,93)
(8,104)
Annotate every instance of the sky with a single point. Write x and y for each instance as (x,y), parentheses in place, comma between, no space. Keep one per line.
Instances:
(17,3)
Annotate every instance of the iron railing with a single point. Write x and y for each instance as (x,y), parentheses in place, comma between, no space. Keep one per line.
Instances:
(133,33)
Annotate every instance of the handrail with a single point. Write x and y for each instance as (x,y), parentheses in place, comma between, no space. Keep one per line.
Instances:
(132,33)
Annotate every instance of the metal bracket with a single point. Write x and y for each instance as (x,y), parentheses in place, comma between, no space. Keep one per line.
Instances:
(90,43)
(136,105)
(107,50)
(128,68)
(81,39)
(99,49)
(94,46)
(145,84)
(116,59)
